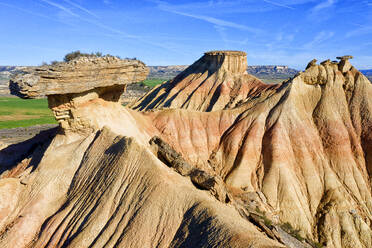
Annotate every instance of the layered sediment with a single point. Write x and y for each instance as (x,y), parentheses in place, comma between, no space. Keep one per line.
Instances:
(285,165)
(218,80)
(77,76)
(69,85)
(306,148)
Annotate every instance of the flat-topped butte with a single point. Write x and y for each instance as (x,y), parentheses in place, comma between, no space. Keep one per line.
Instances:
(226,53)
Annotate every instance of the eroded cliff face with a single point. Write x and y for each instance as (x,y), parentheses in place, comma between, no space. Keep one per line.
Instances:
(287,161)
(218,80)
(98,182)
(306,148)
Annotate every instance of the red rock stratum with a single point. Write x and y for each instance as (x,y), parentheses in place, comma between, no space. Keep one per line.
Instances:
(230,162)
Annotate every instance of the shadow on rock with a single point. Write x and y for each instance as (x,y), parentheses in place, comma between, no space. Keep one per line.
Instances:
(32,149)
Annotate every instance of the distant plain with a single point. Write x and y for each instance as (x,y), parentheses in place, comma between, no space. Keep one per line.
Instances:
(17,112)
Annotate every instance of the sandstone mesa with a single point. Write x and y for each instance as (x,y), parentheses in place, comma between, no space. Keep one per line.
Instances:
(211,158)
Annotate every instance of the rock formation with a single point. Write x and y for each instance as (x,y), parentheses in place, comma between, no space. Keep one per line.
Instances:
(218,80)
(307,148)
(254,166)
(68,85)
(77,76)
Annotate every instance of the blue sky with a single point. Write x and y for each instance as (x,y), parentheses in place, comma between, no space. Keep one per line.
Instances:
(289,32)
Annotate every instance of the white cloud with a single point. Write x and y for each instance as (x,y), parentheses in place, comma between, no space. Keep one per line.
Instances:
(284,37)
(319,38)
(322,11)
(278,4)
(233,6)
(81,8)
(212,20)
(34,13)
(221,31)
(359,31)
(219,22)
(61,7)
(324,5)
(117,33)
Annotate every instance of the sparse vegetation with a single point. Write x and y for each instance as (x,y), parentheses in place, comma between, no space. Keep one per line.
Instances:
(316,244)
(16,112)
(267,221)
(288,228)
(76,54)
(273,80)
(294,232)
(262,215)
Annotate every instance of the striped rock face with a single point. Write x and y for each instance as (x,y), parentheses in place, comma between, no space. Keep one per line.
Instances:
(286,165)
(218,80)
(305,148)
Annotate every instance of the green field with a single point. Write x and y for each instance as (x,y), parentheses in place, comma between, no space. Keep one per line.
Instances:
(153,82)
(16,112)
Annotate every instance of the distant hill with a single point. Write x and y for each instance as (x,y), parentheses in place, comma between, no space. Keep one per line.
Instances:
(166,72)
(7,68)
(272,71)
(268,73)
(5,72)
(368,74)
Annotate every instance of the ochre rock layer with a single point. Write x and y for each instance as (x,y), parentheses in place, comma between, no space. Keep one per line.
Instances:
(291,160)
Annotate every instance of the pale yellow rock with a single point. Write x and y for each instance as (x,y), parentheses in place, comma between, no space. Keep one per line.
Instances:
(79,75)
(300,151)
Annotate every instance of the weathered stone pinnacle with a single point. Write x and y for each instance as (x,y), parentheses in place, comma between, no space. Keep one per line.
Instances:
(326,62)
(344,64)
(311,63)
